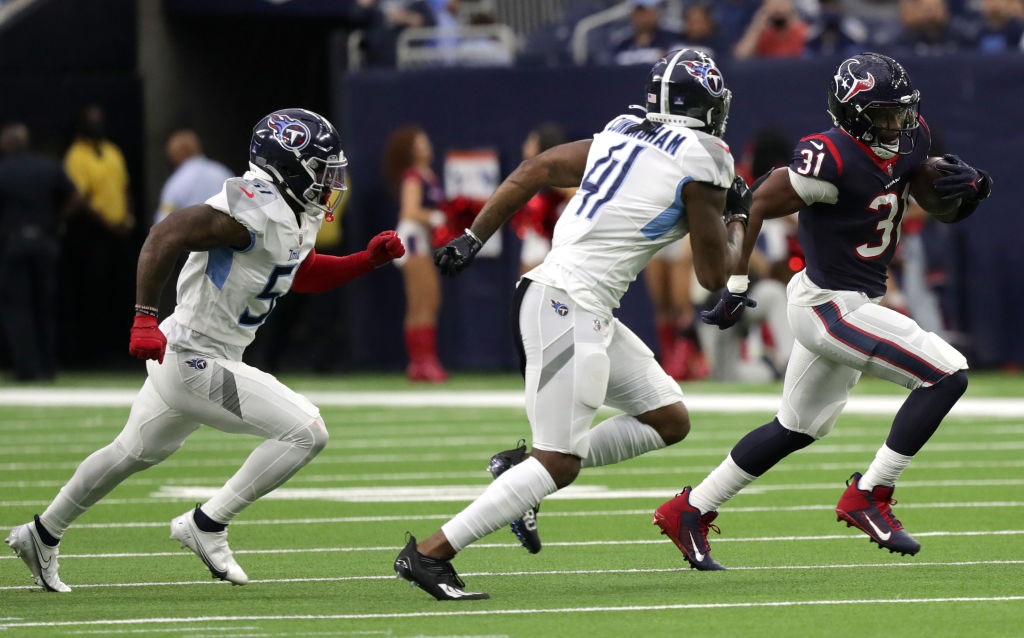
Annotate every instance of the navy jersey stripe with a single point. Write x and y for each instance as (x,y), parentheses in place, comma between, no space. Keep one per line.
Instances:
(875,346)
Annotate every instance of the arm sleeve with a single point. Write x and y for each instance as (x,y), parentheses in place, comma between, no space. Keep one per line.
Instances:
(319,273)
(815,168)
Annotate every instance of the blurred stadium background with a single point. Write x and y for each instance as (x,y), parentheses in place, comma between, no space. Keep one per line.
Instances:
(489,72)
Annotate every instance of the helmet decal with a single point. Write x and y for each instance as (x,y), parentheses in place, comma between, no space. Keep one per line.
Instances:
(293,134)
(848,83)
(710,77)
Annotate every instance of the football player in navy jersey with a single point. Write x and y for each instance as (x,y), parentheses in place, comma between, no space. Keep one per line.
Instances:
(850,185)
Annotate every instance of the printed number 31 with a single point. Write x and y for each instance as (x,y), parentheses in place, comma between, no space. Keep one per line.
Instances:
(809,158)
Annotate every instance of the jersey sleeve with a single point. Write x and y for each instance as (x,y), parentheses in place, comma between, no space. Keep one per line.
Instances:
(245,200)
(816,156)
(710,161)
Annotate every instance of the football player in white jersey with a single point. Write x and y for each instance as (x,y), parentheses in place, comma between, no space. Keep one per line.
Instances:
(644,182)
(250,244)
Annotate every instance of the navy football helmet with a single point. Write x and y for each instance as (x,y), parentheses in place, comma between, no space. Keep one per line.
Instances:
(871,98)
(300,152)
(686,88)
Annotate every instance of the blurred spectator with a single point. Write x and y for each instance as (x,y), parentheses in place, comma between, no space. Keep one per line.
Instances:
(648,40)
(732,17)
(196,177)
(98,264)
(834,32)
(700,31)
(534,223)
(35,195)
(926,28)
(999,26)
(776,31)
(390,19)
(407,169)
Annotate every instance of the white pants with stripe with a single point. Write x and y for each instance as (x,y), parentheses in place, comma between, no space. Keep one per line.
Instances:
(577,361)
(183,392)
(839,335)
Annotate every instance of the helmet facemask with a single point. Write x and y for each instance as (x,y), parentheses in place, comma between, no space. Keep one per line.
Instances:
(885,125)
(325,193)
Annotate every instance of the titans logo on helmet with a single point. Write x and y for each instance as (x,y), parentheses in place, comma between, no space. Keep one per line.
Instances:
(848,84)
(708,75)
(293,134)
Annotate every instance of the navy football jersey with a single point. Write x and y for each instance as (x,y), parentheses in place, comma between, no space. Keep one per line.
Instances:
(848,244)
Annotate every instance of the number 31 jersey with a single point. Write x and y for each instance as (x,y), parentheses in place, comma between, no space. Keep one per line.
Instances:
(850,226)
(224,295)
(628,206)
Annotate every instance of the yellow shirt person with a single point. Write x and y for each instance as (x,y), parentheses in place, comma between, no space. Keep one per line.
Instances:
(98,170)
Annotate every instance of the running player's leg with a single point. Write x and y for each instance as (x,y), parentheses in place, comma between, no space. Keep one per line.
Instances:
(153,432)
(654,414)
(237,398)
(892,346)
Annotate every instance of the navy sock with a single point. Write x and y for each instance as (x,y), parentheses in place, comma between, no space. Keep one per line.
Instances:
(205,523)
(765,446)
(44,534)
(921,413)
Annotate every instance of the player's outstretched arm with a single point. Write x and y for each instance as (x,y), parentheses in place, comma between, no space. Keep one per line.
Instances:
(559,166)
(194,228)
(774,197)
(319,273)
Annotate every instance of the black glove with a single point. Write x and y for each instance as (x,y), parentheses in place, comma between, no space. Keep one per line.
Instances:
(728,310)
(453,257)
(737,202)
(960,180)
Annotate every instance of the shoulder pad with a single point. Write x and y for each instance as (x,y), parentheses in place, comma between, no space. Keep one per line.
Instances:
(817,156)
(710,161)
(250,201)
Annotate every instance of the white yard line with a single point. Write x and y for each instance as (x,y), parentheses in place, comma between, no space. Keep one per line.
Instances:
(881,602)
(726,402)
(654,541)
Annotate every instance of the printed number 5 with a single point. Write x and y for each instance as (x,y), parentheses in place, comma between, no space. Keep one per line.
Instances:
(809,156)
(247,319)
(885,226)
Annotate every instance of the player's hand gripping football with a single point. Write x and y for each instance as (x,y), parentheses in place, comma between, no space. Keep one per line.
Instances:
(961,180)
(737,202)
(453,257)
(384,247)
(728,310)
(147,342)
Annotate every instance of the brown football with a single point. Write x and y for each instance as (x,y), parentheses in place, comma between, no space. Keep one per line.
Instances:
(922,190)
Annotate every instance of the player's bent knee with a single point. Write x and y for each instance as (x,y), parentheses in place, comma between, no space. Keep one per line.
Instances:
(319,435)
(957,382)
(563,468)
(671,422)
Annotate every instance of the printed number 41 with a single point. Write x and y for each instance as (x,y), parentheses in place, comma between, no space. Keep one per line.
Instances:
(608,167)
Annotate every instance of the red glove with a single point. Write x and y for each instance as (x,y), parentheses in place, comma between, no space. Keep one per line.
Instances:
(147,342)
(383,248)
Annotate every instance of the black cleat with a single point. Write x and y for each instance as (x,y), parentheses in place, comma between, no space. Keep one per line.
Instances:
(524,528)
(435,576)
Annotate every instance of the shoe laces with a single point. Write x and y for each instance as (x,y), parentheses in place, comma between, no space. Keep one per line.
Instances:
(706,524)
(884,505)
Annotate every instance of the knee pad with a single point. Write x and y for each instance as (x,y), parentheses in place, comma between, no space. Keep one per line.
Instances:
(592,371)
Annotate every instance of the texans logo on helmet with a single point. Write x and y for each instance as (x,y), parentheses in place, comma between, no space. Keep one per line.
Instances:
(708,75)
(848,84)
(293,134)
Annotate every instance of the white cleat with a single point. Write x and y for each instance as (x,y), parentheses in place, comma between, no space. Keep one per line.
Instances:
(40,557)
(211,547)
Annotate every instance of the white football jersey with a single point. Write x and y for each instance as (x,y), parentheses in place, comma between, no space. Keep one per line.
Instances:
(628,206)
(224,295)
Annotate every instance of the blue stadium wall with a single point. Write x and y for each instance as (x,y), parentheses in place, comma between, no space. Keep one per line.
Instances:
(973,102)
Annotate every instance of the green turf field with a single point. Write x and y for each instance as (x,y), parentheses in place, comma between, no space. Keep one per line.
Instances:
(319,553)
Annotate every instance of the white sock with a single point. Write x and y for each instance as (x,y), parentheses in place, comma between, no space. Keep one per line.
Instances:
(723,483)
(619,438)
(271,464)
(885,469)
(505,499)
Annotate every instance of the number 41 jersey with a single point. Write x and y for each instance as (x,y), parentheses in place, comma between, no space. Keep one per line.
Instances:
(851,224)
(628,206)
(224,295)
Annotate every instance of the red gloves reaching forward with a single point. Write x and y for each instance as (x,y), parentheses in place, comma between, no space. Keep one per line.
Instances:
(383,248)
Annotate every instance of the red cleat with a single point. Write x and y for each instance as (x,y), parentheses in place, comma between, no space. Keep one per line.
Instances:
(871,513)
(684,524)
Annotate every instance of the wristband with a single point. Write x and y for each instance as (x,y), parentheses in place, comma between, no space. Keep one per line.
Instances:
(738,284)
(473,235)
(146,310)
